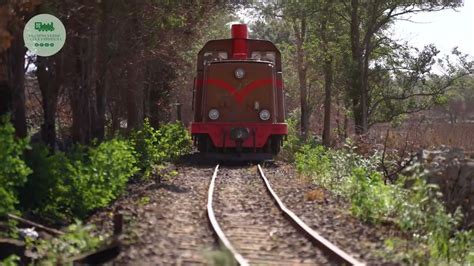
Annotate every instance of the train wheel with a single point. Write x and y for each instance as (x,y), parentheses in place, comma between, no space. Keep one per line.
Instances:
(275,144)
(203,143)
(268,146)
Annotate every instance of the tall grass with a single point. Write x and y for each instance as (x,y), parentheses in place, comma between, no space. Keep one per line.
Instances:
(427,135)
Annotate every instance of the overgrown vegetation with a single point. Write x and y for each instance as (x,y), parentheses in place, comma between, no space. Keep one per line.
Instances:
(294,141)
(410,203)
(62,186)
(66,185)
(77,239)
(69,185)
(166,143)
(13,170)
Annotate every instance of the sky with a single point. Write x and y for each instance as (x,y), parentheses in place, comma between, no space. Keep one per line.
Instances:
(446,29)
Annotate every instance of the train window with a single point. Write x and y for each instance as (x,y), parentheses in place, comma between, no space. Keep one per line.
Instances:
(222,55)
(264,56)
(214,56)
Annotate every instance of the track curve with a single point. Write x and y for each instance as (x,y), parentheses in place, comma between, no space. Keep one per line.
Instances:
(259,233)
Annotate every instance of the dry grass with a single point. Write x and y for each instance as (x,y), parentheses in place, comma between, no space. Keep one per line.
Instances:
(427,135)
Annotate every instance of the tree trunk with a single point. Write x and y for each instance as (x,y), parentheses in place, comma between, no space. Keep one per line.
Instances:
(346,122)
(135,73)
(135,97)
(16,83)
(356,78)
(83,94)
(5,98)
(327,102)
(300,33)
(101,65)
(327,70)
(365,88)
(48,73)
(5,92)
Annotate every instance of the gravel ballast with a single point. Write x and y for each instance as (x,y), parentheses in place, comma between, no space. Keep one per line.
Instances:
(329,215)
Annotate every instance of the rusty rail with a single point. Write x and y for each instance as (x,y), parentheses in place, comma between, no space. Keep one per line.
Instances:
(332,250)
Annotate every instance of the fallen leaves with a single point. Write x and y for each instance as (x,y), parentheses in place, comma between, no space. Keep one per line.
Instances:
(315,195)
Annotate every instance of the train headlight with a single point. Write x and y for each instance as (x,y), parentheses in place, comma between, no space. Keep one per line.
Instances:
(239,73)
(213,114)
(264,114)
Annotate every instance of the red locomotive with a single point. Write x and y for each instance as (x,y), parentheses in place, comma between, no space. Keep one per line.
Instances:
(238,97)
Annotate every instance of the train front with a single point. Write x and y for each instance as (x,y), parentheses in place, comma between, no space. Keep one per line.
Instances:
(238,103)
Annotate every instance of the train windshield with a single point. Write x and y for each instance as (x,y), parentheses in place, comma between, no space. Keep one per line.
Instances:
(264,56)
(214,56)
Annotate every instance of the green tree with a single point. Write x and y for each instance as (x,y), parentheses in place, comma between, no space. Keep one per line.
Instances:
(404,82)
(312,38)
(368,21)
(296,16)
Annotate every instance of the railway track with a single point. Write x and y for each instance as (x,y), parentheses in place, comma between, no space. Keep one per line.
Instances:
(253,224)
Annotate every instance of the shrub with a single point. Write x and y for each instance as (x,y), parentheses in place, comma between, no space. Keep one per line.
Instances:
(13,170)
(315,162)
(69,185)
(333,169)
(174,139)
(155,146)
(64,186)
(99,177)
(422,212)
(47,192)
(145,141)
(371,199)
(294,142)
(413,204)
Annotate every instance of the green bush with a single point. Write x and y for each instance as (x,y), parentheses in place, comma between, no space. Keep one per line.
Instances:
(371,200)
(155,146)
(12,260)
(294,141)
(101,176)
(422,212)
(145,142)
(47,192)
(69,185)
(333,169)
(315,161)
(65,186)
(413,204)
(13,170)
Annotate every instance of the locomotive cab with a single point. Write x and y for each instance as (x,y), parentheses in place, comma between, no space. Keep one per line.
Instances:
(238,97)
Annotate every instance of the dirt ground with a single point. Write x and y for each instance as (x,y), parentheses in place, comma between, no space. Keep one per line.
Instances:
(165,223)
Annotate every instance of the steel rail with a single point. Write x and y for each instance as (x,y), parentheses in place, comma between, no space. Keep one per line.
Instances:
(332,250)
(215,225)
